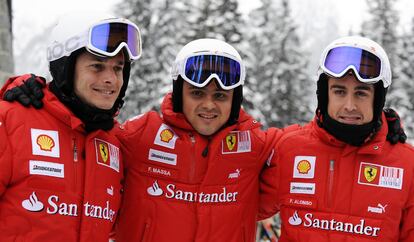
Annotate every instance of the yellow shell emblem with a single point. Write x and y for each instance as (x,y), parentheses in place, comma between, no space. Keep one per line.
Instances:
(166,135)
(231,141)
(370,172)
(45,142)
(103,150)
(304,166)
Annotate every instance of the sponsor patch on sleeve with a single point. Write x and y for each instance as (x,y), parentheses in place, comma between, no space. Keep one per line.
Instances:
(45,142)
(237,142)
(107,154)
(380,176)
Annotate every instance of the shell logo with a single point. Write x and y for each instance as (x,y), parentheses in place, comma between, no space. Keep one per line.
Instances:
(45,142)
(166,135)
(304,166)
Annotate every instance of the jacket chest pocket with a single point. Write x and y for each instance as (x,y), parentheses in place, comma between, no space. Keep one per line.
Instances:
(49,176)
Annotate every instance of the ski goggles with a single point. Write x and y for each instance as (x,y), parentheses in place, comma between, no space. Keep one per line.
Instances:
(108,38)
(367,66)
(200,69)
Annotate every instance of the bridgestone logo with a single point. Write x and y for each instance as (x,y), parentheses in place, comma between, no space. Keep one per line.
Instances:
(45,168)
(42,168)
(162,157)
(302,188)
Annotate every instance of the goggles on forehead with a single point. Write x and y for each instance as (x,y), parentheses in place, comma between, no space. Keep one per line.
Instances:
(200,69)
(367,66)
(108,38)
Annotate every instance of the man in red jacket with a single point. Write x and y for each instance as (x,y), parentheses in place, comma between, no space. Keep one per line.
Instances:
(339,179)
(192,172)
(61,166)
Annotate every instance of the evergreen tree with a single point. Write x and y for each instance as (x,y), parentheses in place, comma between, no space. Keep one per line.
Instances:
(139,12)
(163,33)
(277,66)
(219,19)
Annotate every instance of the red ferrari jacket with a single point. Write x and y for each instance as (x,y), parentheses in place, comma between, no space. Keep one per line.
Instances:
(57,183)
(327,190)
(182,186)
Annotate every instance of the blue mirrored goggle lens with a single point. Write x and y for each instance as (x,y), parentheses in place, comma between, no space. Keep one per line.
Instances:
(367,64)
(108,36)
(199,68)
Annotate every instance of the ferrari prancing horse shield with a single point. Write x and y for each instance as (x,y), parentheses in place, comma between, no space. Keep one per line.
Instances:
(231,141)
(103,150)
(370,173)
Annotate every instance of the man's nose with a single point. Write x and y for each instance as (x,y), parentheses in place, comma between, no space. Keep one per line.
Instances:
(350,104)
(109,75)
(208,102)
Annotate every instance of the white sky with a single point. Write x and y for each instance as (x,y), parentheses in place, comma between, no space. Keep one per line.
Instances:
(35,16)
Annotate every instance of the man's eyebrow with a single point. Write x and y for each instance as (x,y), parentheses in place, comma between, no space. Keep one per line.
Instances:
(194,87)
(364,87)
(359,87)
(105,59)
(337,86)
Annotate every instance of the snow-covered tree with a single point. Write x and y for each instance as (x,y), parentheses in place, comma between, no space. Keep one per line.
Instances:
(139,12)
(219,19)
(277,65)
(164,25)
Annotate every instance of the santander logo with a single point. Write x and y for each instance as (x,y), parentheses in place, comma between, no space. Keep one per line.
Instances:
(295,220)
(171,191)
(32,204)
(155,190)
(55,206)
(311,221)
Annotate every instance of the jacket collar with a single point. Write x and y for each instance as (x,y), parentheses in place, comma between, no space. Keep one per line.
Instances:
(57,109)
(373,146)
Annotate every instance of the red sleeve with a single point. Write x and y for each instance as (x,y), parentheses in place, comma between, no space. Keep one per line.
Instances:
(130,134)
(5,157)
(407,220)
(268,204)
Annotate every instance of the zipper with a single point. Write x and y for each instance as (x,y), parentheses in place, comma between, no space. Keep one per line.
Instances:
(331,181)
(75,150)
(205,151)
(75,161)
(193,158)
(75,153)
